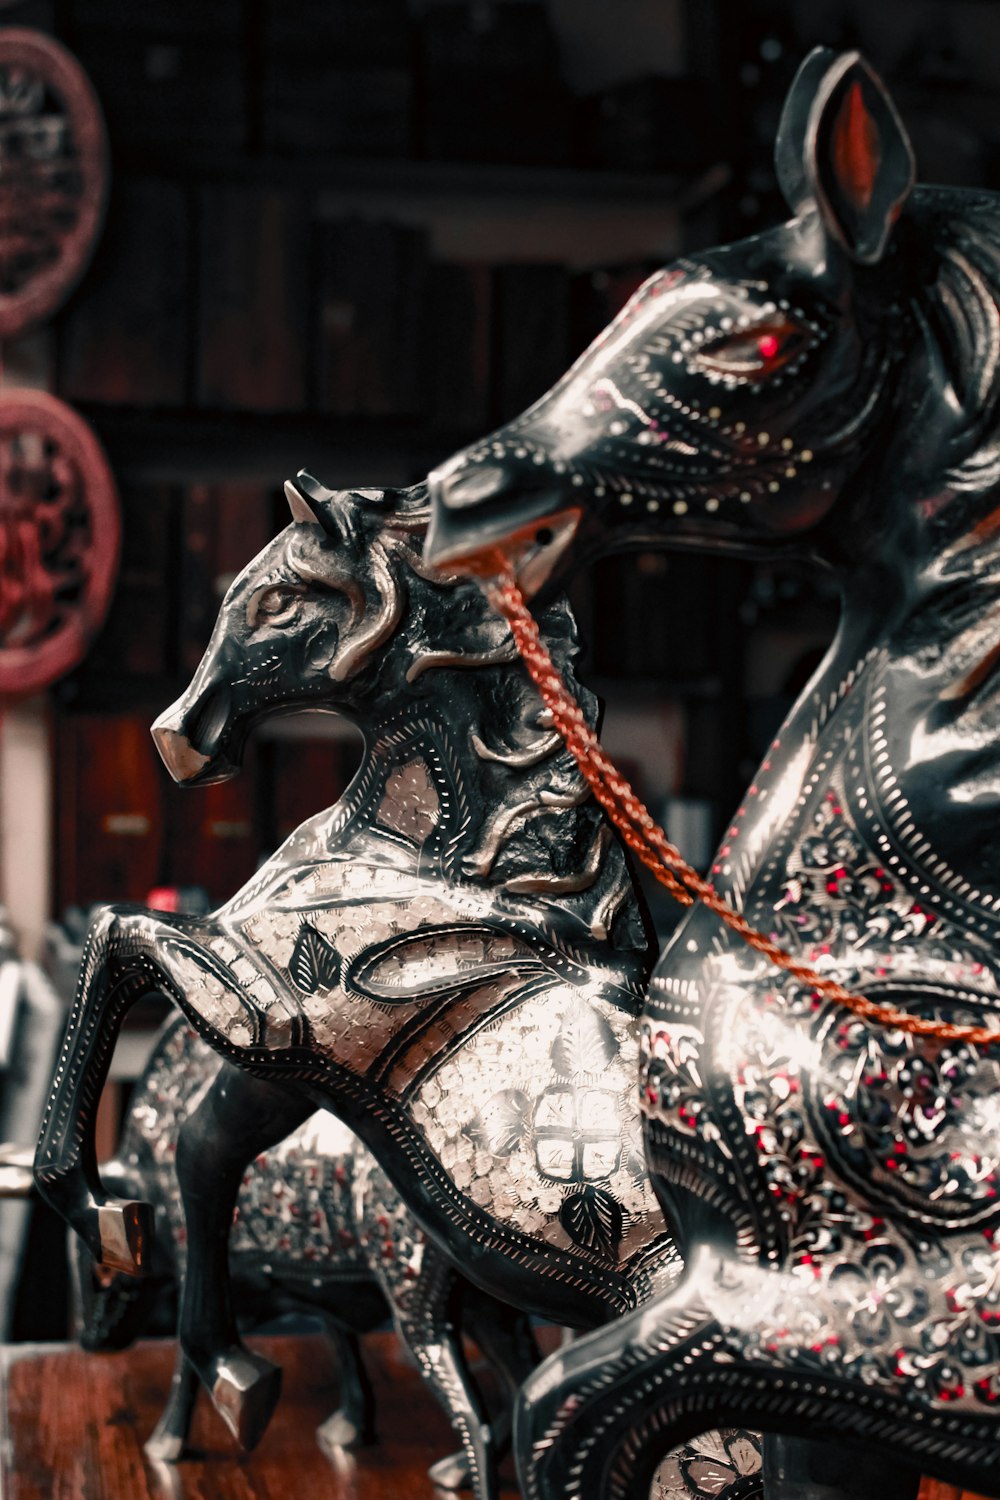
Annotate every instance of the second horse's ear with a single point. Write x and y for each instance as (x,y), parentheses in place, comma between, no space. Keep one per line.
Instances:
(299,506)
(311,502)
(842,149)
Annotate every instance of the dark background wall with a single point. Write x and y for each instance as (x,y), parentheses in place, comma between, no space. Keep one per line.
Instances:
(352,234)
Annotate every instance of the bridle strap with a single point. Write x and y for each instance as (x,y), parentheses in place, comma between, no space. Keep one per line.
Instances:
(650,844)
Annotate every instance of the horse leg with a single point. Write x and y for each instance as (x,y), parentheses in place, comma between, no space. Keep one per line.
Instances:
(422,1307)
(352,1425)
(118,1232)
(169,1439)
(238,1118)
(504,1336)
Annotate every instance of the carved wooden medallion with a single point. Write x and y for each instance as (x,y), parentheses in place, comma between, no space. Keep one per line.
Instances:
(53,175)
(59,539)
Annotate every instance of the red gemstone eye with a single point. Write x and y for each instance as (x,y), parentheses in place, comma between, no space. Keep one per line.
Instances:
(753,351)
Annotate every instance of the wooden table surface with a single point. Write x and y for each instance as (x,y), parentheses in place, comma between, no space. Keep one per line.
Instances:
(933,1489)
(76,1424)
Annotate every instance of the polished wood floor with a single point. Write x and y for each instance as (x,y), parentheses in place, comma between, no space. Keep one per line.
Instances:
(76,1424)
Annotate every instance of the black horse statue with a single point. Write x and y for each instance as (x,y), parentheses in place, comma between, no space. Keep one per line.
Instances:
(319,1230)
(452,959)
(829,389)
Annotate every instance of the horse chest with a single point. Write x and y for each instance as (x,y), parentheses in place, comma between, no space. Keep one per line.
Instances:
(535,1124)
(810,1125)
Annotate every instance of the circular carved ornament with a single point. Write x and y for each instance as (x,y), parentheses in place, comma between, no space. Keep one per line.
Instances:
(60,535)
(53,175)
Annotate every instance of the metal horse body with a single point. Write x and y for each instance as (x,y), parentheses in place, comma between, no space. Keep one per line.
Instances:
(452,958)
(319,1228)
(830,388)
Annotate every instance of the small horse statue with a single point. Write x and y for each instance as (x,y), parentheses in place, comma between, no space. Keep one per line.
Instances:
(829,389)
(319,1229)
(452,959)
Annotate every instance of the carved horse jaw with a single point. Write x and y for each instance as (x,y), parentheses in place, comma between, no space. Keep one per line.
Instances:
(738,392)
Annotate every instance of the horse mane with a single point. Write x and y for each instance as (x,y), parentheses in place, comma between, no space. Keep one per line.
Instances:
(953,236)
(542,833)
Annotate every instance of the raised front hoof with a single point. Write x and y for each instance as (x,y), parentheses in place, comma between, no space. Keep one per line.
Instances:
(245,1392)
(451,1473)
(165,1447)
(125,1229)
(341,1431)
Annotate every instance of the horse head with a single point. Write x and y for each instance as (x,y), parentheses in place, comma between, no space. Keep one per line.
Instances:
(337,613)
(800,389)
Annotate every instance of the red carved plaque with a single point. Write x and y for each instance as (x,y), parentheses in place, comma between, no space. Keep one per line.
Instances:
(53,175)
(60,533)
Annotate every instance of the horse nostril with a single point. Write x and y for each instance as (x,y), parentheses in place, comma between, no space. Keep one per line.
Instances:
(209,720)
(472,487)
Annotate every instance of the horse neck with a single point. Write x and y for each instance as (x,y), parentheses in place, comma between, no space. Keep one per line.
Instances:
(468,783)
(897,593)
(517,817)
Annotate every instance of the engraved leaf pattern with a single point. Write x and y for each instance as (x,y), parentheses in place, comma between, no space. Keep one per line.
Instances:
(592,1217)
(720,1465)
(314,963)
(744,1452)
(706,1476)
(585,1044)
(501,1123)
(732,1472)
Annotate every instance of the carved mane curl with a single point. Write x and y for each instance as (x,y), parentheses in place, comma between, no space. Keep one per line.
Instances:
(462,651)
(955,237)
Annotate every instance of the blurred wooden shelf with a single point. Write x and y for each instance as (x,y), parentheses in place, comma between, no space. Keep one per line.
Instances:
(168,445)
(75,1423)
(652,692)
(473,211)
(371,178)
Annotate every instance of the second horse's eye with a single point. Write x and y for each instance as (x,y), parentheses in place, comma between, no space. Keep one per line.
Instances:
(275,604)
(753,351)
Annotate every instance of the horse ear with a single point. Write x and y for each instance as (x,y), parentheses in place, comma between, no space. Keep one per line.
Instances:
(299,506)
(311,502)
(842,148)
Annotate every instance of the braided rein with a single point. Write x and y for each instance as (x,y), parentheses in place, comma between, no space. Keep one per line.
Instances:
(650,844)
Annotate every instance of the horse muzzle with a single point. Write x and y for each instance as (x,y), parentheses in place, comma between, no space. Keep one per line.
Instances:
(481,520)
(178,754)
(192,739)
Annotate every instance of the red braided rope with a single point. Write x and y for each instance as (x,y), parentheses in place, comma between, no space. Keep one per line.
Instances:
(650,844)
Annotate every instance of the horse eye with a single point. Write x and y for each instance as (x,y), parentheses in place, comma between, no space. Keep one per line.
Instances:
(753,351)
(274,603)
